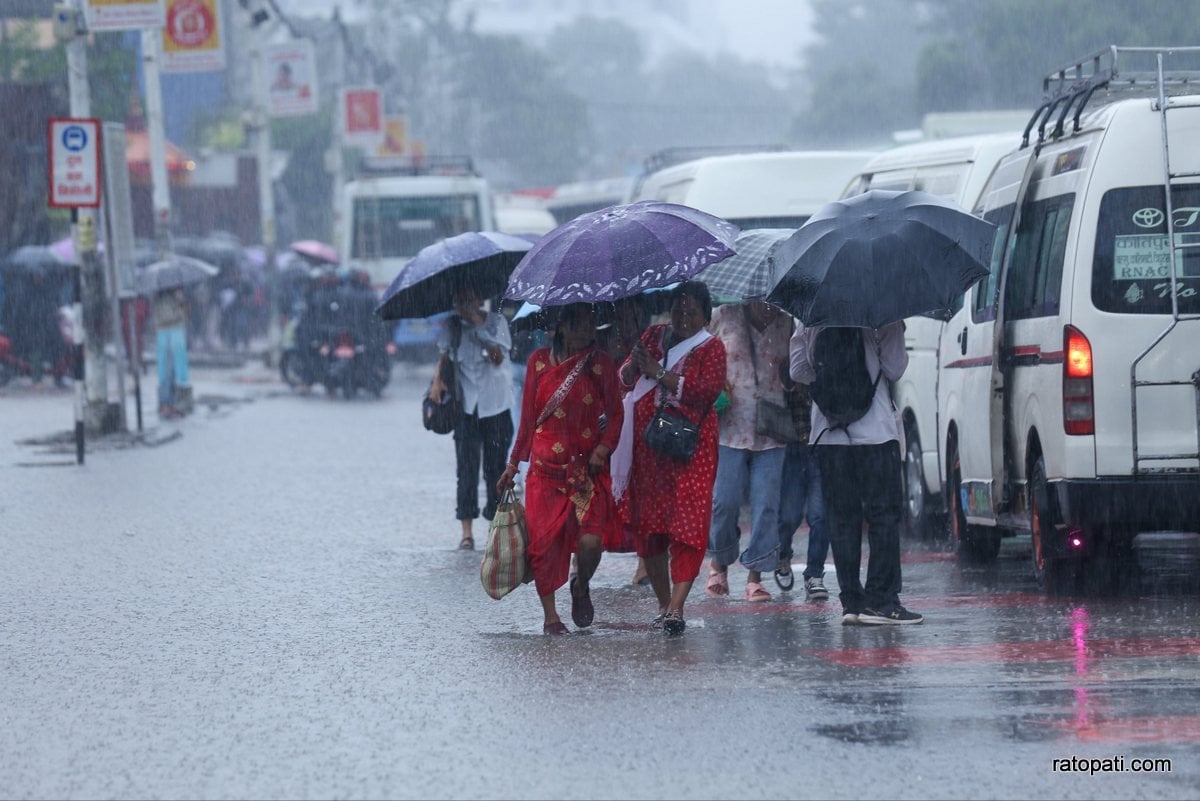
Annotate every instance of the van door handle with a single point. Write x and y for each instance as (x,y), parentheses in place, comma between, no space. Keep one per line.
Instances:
(962,341)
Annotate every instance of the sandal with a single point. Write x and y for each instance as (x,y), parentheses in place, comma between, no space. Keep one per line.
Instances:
(673,624)
(718,583)
(657,622)
(555,629)
(467,544)
(756,592)
(582,611)
(783,575)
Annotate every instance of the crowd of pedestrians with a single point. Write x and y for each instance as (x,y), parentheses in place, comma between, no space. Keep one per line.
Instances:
(738,377)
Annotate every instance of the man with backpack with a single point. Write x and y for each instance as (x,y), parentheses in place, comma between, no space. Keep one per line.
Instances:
(857,439)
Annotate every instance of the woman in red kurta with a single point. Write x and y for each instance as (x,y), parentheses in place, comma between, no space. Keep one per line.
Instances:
(669,503)
(569,505)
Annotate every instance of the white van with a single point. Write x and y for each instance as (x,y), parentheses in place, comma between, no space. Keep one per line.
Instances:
(1069,383)
(778,189)
(580,197)
(393,214)
(956,169)
(519,214)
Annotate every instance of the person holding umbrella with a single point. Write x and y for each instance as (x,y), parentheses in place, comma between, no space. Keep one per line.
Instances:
(668,501)
(478,344)
(860,267)
(171,357)
(570,390)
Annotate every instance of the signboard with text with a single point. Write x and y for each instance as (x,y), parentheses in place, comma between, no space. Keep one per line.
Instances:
(74,162)
(362,116)
(291,76)
(123,15)
(192,40)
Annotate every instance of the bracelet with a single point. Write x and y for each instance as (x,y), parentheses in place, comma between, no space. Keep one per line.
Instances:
(662,372)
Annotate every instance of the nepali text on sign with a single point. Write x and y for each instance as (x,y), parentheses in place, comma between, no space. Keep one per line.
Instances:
(1139,256)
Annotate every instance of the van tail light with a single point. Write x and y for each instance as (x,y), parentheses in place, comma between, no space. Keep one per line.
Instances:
(1079,410)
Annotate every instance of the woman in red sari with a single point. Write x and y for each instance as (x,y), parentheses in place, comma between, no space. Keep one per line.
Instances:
(569,506)
(669,503)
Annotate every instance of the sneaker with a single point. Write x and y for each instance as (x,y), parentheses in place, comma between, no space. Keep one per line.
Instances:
(814,589)
(850,619)
(897,617)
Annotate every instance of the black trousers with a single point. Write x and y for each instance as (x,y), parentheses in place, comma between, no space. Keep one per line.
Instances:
(863,482)
(489,437)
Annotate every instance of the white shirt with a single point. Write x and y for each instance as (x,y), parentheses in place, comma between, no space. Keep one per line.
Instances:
(885,351)
(486,388)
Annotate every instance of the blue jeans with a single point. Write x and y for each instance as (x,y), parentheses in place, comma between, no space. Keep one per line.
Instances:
(801,497)
(762,472)
(171,359)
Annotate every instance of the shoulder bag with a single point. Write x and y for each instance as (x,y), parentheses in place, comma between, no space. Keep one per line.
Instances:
(770,419)
(442,417)
(669,432)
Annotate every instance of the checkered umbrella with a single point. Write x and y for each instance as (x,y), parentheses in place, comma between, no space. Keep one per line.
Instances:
(747,275)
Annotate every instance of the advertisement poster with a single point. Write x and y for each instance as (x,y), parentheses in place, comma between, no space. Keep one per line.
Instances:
(292,79)
(123,15)
(395,137)
(362,117)
(192,40)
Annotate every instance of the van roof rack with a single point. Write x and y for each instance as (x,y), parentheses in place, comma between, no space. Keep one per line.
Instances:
(417,165)
(1074,84)
(669,157)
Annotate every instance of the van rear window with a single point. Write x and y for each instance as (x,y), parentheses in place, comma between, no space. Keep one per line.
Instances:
(1131,273)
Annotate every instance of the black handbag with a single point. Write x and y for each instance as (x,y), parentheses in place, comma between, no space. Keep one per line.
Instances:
(672,434)
(669,432)
(442,417)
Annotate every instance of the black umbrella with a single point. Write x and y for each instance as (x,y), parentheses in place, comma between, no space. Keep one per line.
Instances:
(31,261)
(879,257)
(426,285)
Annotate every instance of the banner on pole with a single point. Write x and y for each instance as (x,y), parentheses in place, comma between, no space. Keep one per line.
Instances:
(362,117)
(395,137)
(192,40)
(74,162)
(291,75)
(123,15)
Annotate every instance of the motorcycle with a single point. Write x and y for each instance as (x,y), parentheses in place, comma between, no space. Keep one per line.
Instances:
(13,364)
(351,366)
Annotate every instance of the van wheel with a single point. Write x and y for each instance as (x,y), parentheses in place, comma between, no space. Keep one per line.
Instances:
(1055,574)
(974,544)
(919,517)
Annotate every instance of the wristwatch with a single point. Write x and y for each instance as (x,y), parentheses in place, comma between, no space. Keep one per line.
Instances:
(662,371)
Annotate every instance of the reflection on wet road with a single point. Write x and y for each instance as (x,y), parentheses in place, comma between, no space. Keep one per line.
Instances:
(271,606)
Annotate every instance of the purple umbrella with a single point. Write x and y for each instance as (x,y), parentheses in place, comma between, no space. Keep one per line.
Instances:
(620,251)
(425,286)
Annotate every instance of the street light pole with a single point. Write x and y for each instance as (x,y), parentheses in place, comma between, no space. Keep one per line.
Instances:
(160,188)
(266,196)
(337,165)
(98,415)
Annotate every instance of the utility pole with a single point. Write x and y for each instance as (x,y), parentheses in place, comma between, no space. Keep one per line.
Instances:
(266,197)
(99,416)
(160,189)
(337,166)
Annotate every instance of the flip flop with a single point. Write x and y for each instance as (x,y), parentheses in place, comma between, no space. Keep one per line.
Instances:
(555,629)
(467,544)
(718,584)
(756,592)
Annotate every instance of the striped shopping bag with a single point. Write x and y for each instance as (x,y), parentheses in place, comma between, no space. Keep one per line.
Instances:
(505,566)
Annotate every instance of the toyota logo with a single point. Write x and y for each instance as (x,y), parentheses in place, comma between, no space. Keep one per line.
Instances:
(1148,218)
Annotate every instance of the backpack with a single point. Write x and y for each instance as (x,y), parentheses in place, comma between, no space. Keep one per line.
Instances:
(843,389)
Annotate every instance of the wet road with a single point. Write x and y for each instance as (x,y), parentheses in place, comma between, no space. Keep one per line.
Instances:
(270,606)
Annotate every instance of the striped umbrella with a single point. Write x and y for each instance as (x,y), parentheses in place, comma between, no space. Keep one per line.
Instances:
(747,275)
